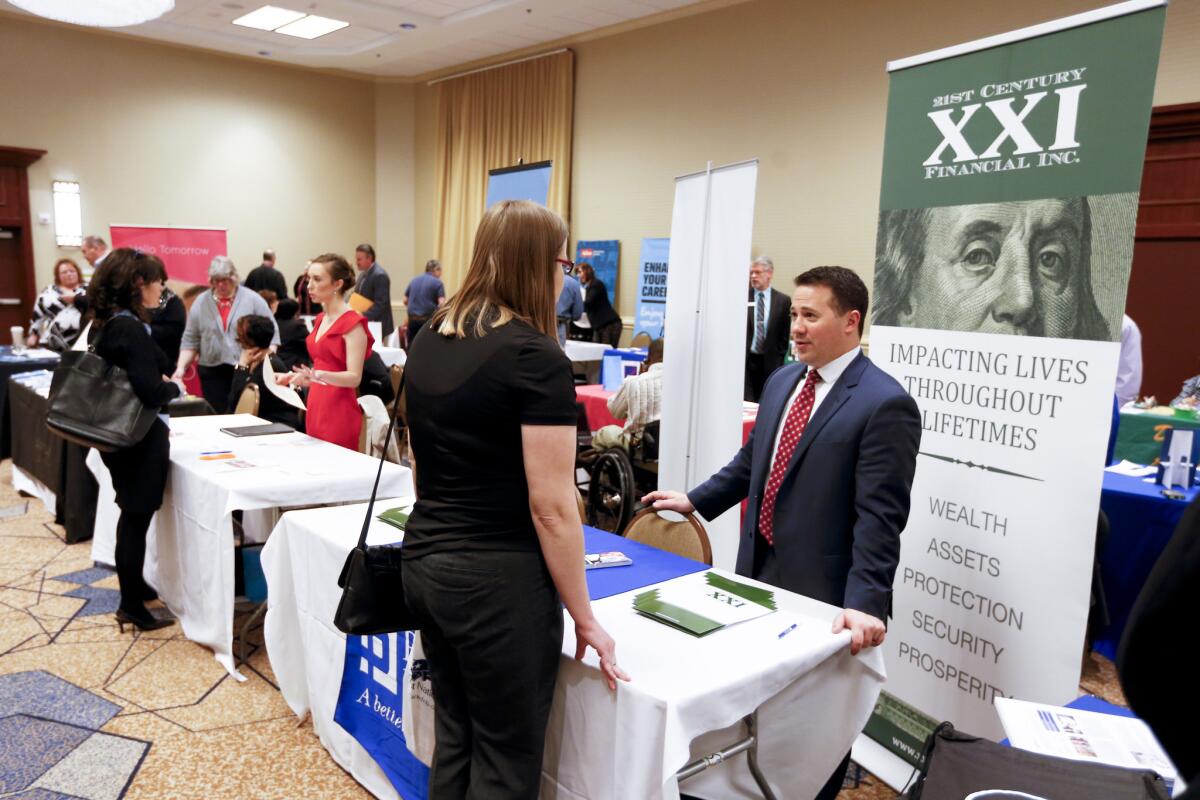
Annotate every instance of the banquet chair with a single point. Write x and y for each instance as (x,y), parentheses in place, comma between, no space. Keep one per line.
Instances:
(685,537)
(248,403)
(641,339)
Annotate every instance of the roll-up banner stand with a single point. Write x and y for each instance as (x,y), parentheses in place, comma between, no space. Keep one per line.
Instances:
(523,182)
(186,252)
(1011,172)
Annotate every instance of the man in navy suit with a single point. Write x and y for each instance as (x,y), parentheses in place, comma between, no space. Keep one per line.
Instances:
(827,469)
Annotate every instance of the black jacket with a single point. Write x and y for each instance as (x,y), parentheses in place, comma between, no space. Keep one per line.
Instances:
(264,276)
(166,327)
(596,305)
(293,343)
(375,285)
(124,342)
(779,323)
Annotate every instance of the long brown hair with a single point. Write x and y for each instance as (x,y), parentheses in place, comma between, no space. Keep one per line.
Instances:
(511,274)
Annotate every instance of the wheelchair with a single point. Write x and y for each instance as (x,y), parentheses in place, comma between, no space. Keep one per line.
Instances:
(617,480)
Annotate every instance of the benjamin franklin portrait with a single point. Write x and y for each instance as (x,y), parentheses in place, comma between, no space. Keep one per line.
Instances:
(1020,268)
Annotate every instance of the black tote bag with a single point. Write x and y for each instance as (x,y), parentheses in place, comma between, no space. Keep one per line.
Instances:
(959,766)
(372,585)
(93,404)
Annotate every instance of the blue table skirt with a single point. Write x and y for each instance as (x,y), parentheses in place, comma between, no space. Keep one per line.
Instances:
(650,565)
(1141,522)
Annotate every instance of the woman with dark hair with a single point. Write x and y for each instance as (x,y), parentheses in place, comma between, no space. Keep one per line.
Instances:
(495,538)
(339,344)
(127,283)
(58,311)
(254,335)
(606,325)
(292,334)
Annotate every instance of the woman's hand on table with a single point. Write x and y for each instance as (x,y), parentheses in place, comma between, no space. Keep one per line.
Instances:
(590,634)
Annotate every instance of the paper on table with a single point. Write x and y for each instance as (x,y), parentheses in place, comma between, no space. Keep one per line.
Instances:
(1131,469)
(285,393)
(1083,736)
(704,602)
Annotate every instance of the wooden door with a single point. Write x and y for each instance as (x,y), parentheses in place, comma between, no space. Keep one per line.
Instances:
(1164,286)
(17,287)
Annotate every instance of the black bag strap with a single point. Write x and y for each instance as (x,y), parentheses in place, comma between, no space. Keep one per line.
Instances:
(362,536)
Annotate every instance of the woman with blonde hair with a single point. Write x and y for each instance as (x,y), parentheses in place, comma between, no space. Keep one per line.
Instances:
(495,539)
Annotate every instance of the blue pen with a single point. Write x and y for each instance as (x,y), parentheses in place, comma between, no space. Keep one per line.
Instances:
(787,630)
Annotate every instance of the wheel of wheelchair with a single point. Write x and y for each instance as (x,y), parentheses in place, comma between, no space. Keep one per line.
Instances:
(612,492)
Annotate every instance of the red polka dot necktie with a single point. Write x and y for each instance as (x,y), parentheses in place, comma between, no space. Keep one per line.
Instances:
(793,428)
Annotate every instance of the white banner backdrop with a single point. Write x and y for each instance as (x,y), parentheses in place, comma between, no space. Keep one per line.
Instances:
(711,230)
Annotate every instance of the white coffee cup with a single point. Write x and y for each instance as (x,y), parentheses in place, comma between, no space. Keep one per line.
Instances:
(18,337)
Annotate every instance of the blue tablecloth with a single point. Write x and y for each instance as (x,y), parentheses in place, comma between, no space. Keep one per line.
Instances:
(1141,522)
(650,565)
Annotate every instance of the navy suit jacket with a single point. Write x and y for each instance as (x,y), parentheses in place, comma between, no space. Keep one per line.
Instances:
(375,284)
(845,496)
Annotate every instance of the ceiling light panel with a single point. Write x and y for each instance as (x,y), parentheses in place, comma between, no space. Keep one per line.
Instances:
(312,27)
(268,18)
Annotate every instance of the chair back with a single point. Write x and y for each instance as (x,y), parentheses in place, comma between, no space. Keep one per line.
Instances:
(249,401)
(582,505)
(641,339)
(397,373)
(685,537)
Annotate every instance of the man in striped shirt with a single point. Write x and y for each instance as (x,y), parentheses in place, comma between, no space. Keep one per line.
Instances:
(638,402)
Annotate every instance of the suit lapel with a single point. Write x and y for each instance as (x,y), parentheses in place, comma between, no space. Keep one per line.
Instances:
(839,393)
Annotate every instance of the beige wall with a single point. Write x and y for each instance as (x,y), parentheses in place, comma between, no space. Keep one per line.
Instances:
(394,182)
(799,85)
(283,158)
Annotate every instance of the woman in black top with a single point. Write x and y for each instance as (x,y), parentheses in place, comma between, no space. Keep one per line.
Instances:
(254,334)
(606,325)
(495,538)
(167,321)
(127,283)
(293,333)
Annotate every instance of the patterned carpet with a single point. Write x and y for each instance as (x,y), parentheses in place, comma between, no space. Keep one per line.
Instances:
(89,713)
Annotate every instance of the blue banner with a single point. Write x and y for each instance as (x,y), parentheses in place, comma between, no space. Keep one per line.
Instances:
(605,258)
(370,707)
(527,182)
(651,313)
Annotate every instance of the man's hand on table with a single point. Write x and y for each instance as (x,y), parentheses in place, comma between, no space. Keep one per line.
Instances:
(590,633)
(865,630)
(669,500)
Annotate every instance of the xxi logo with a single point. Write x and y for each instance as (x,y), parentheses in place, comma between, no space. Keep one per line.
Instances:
(1012,126)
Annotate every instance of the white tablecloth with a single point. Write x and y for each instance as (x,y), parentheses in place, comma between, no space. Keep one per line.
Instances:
(584,351)
(687,697)
(190,555)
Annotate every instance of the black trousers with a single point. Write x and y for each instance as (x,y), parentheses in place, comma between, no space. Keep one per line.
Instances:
(131,557)
(216,383)
(609,334)
(414,326)
(492,628)
(756,377)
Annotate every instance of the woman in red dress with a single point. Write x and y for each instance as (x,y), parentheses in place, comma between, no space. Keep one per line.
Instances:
(339,344)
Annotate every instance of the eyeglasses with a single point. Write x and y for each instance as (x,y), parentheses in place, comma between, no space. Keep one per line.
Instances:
(567,266)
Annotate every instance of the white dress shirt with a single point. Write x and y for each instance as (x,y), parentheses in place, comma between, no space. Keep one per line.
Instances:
(829,376)
(1129,368)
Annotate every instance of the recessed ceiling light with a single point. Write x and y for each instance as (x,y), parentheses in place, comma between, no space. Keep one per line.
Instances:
(264,52)
(408,26)
(268,18)
(312,26)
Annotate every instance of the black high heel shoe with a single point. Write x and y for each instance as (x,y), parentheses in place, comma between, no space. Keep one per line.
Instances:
(147,623)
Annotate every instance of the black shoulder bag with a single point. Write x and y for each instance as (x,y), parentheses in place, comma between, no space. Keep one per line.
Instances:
(93,404)
(371,582)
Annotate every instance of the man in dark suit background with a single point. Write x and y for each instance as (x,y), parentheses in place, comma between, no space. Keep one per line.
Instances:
(827,469)
(766,328)
(375,285)
(266,276)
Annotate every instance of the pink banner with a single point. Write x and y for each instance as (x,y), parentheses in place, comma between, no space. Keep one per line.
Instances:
(187,252)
